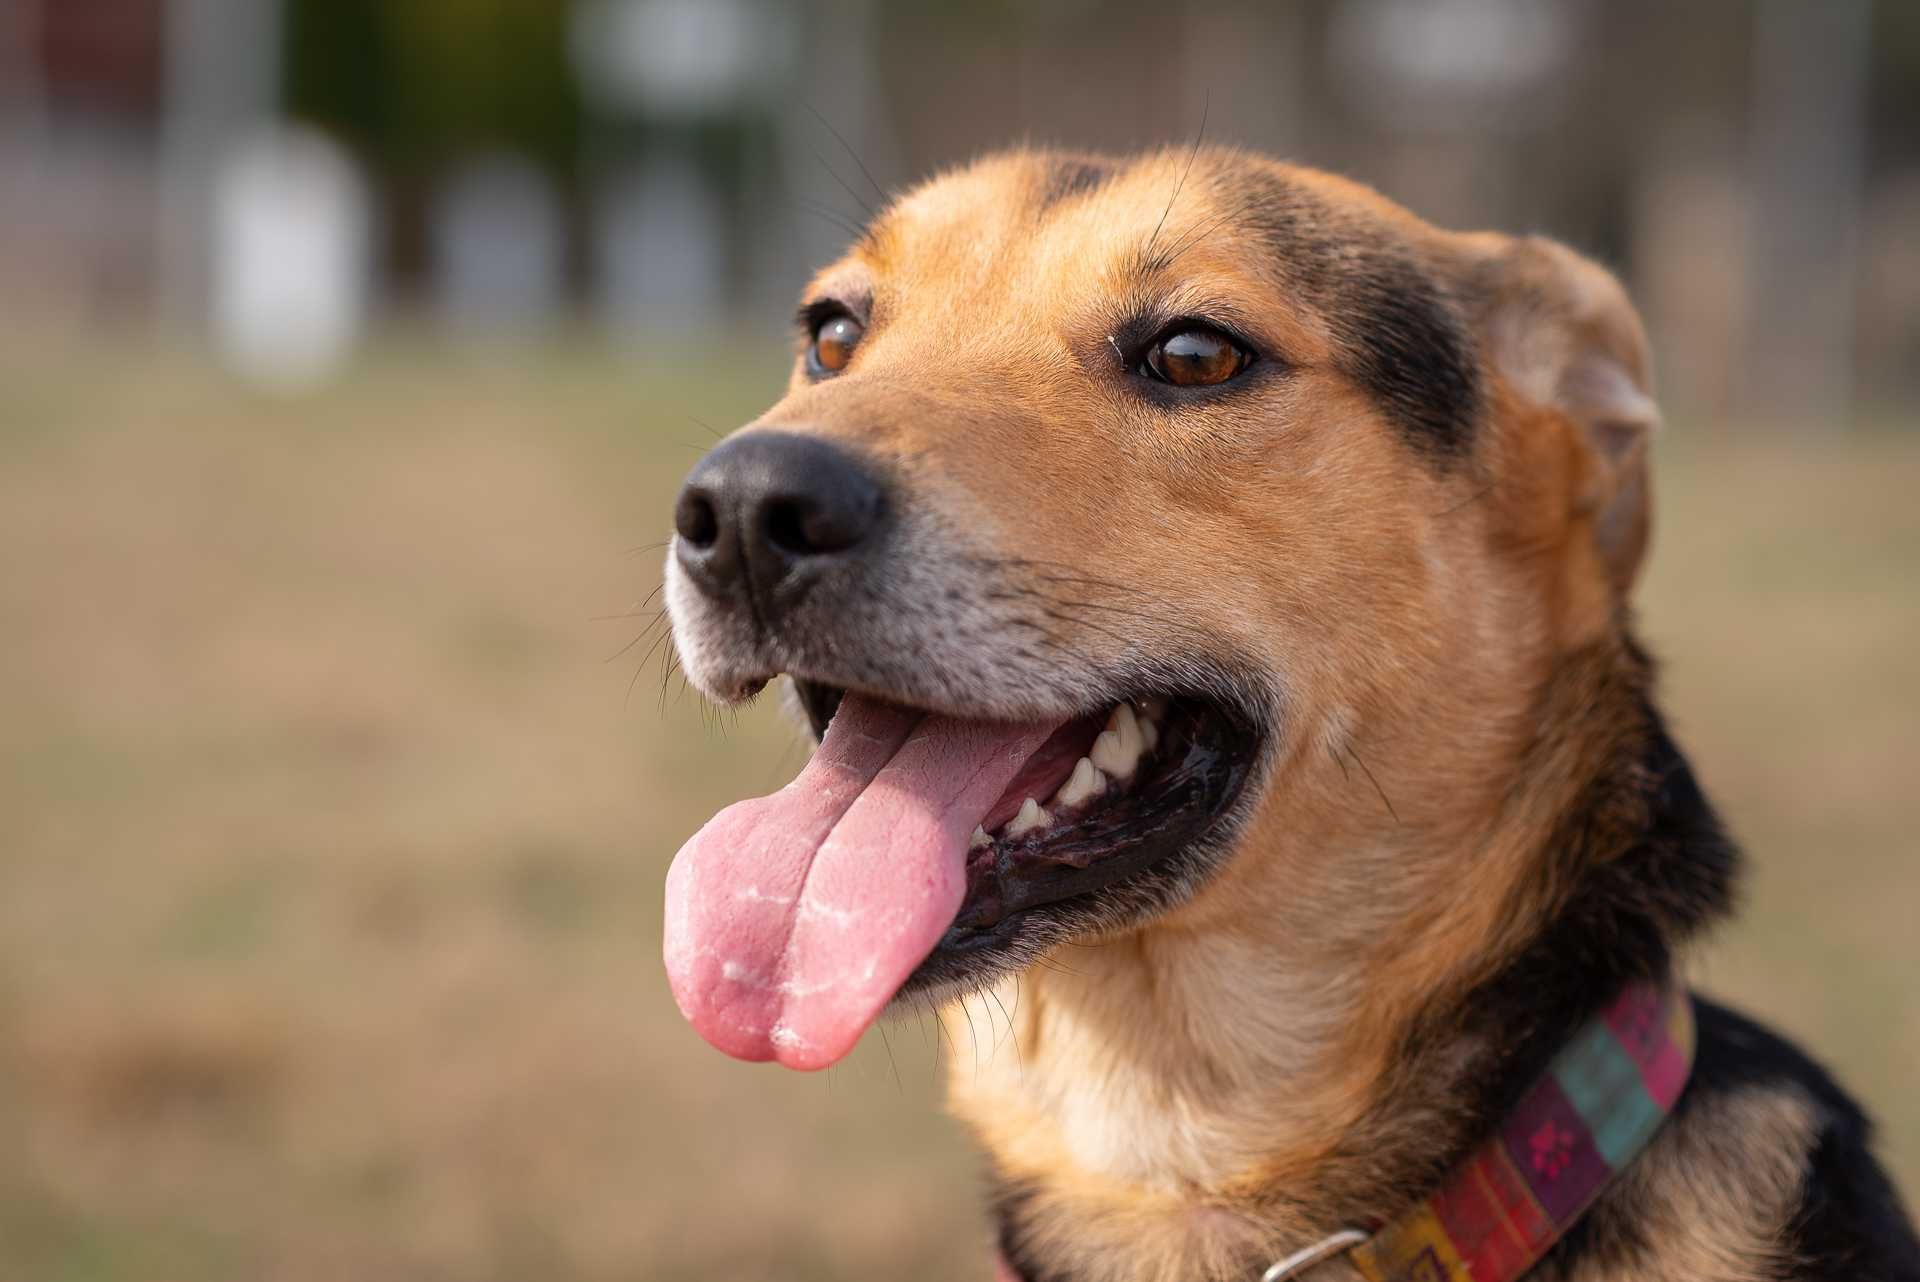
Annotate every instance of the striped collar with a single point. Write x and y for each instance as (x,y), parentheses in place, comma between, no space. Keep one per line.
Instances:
(1578,1125)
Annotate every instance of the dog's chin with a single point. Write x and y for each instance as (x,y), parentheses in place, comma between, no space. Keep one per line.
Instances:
(1107,863)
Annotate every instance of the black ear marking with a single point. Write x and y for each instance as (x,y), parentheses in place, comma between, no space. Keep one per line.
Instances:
(1401,335)
(1406,344)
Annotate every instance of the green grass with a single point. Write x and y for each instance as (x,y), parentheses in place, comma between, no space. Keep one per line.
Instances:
(332,838)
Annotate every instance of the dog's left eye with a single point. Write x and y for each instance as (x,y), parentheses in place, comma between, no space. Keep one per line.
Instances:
(1195,357)
(833,344)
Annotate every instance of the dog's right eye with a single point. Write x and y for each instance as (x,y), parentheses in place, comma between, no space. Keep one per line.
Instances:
(1196,357)
(833,344)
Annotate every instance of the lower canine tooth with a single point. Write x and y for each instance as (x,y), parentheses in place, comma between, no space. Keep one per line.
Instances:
(1149,734)
(1030,818)
(1085,783)
(979,838)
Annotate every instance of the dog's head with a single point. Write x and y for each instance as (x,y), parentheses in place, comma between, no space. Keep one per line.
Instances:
(1273,503)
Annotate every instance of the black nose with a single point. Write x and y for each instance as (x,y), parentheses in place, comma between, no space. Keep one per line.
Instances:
(766,513)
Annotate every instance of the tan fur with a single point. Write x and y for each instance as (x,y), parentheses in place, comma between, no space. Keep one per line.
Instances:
(1162,1090)
(1701,1223)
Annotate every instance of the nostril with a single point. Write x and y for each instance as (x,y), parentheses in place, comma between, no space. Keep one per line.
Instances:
(804,526)
(764,515)
(695,519)
(787,527)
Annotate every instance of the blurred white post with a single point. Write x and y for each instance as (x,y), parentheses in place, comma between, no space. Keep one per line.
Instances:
(222,85)
(1810,70)
(658,248)
(291,263)
(661,246)
(497,247)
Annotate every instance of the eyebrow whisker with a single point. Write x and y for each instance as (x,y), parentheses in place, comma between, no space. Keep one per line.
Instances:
(848,148)
(1192,155)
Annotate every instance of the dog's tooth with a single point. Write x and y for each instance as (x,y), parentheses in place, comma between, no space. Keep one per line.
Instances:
(1116,755)
(979,838)
(1106,751)
(1127,746)
(1030,819)
(1085,783)
(1146,713)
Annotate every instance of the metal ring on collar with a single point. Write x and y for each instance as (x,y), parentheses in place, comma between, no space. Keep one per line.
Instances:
(1319,1253)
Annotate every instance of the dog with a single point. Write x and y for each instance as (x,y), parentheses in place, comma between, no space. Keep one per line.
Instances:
(1209,586)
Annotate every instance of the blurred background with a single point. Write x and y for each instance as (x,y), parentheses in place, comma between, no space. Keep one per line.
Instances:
(350,351)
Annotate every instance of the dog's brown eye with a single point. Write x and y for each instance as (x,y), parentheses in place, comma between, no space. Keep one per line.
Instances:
(833,344)
(1196,358)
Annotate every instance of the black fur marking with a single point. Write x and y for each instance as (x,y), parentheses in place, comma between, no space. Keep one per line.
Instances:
(1850,1223)
(1400,331)
(1624,916)
(1005,1202)
(1409,349)
(1068,178)
(1631,900)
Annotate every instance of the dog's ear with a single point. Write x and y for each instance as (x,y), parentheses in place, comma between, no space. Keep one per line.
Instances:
(1560,332)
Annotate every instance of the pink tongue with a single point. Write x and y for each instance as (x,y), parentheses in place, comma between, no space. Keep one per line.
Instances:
(793,919)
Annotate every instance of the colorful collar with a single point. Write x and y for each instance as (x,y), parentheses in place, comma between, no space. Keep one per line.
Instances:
(1579,1124)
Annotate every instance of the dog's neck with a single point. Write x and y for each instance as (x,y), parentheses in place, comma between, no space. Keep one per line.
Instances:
(1227,1086)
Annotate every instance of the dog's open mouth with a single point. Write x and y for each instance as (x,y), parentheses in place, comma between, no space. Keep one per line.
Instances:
(920,850)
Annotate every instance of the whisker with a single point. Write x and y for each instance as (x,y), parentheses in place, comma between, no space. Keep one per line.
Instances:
(942,1035)
(639,609)
(891,1062)
(1192,155)
(1467,502)
(1012,1034)
(1091,605)
(998,563)
(627,699)
(834,174)
(846,147)
(832,215)
(1203,229)
(1087,623)
(637,640)
(1365,770)
(666,675)
(665,636)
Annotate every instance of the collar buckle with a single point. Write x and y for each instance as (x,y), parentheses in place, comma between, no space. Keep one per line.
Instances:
(1312,1257)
